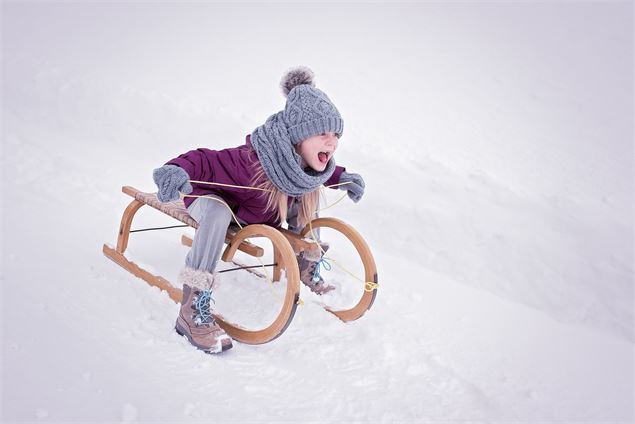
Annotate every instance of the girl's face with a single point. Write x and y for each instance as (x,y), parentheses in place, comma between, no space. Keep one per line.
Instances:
(316,151)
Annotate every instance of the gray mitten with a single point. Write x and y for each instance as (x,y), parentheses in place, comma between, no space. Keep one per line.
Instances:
(171,179)
(355,187)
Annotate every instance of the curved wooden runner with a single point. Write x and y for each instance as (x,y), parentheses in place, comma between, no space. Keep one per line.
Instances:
(370,269)
(285,259)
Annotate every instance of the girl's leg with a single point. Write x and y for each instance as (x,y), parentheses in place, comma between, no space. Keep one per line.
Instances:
(308,259)
(213,218)
(292,218)
(195,320)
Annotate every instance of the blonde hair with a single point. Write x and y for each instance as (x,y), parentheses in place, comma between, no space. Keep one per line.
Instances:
(277,201)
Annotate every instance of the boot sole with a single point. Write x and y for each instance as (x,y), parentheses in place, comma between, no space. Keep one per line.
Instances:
(222,344)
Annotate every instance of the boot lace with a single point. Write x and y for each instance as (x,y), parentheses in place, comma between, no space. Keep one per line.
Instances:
(318,265)
(202,304)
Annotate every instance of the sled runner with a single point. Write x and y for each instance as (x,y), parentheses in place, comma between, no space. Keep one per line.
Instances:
(285,245)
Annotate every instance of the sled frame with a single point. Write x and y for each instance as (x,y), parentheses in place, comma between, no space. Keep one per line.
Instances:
(286,244)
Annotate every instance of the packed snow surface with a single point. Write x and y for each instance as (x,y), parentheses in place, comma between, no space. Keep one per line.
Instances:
(496,142)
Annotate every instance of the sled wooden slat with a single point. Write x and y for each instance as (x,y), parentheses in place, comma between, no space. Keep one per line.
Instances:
(154,280)
(178,211)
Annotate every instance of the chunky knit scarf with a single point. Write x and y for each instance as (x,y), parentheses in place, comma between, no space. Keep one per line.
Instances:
(281,163)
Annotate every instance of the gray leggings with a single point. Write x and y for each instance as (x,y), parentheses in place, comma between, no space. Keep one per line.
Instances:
(213,218)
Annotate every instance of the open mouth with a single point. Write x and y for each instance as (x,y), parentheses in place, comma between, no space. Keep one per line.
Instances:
(324,157)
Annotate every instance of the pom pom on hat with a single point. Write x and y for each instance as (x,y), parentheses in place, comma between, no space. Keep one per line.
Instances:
(296,76)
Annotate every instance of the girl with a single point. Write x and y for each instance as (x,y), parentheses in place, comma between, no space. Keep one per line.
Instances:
(290,156)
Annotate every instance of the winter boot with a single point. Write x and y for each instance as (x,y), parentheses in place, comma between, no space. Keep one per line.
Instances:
(310,263)
(195,320)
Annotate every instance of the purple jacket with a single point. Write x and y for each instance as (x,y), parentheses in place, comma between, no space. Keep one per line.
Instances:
(232,166)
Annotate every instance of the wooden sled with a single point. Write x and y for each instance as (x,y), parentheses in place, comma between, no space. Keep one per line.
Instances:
(285,245)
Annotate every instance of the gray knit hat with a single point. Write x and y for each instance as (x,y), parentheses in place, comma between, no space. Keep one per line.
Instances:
(308,111)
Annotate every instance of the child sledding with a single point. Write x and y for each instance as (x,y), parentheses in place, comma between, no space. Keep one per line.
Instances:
(238,193)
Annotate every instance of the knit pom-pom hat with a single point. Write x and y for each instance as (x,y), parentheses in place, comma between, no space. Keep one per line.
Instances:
(308,111)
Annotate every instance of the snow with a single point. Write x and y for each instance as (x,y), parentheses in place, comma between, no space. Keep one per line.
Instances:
(496,141)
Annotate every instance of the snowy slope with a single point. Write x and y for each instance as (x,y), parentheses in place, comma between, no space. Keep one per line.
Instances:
(496,143)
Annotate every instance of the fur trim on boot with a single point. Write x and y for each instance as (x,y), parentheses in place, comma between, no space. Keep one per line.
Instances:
(199,279)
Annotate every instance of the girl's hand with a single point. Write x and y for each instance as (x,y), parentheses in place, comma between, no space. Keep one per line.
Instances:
(355,186)
(170,179)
